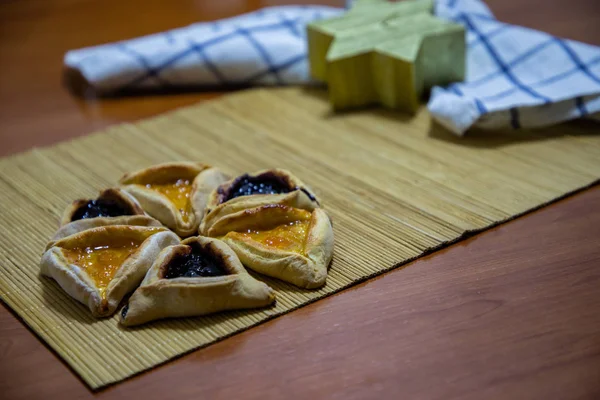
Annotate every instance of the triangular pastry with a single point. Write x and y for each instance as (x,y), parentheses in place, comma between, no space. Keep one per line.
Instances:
(200,276)
(273,186)
(174,193)
(287,243)
(99,266)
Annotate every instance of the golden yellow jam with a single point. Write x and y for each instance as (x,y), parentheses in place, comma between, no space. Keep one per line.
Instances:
(101,261)
(288,237)
(177,192)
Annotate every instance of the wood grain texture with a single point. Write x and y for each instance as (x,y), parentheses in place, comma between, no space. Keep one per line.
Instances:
(509,314)
(36,110)
(392,198)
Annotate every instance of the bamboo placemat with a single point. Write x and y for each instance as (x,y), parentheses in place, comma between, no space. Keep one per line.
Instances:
(395,187)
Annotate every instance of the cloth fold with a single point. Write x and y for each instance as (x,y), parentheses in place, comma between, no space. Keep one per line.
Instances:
(516,77)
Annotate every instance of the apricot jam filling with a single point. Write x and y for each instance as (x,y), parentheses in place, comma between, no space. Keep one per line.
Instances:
(178,192)
(289,236)
(101,261)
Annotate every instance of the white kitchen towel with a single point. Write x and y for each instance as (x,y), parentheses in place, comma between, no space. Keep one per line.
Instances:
(266,47)
(516,77)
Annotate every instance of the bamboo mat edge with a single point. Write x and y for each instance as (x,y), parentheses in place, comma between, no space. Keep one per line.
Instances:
(465,235)
(354,281)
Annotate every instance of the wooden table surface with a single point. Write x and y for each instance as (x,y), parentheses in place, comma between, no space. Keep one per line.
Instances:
(513,313)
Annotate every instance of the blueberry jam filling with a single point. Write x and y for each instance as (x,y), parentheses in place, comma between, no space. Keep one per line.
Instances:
(200,262)
(100,208)
(247,185)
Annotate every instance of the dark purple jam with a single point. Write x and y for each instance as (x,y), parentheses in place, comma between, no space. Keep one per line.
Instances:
(264,184)
(100,208)
(200,262)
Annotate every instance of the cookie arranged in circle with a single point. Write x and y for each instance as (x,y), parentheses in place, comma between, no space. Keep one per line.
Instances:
(99,266)
(283,242)
(198,277)
(175,193)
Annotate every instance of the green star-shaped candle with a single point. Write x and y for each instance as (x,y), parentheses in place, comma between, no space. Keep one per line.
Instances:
(385,53)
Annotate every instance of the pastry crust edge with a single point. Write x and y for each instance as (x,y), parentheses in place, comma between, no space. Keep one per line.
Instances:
(89,223)
(307,270)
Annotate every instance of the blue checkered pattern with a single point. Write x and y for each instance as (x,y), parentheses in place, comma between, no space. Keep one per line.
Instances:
(266,47)
(516,77)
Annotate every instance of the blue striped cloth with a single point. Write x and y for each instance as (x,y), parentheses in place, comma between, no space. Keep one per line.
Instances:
(516,77)
(266,47)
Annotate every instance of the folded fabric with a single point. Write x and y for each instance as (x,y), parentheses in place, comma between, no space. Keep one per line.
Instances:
(516,77)
(266,47)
